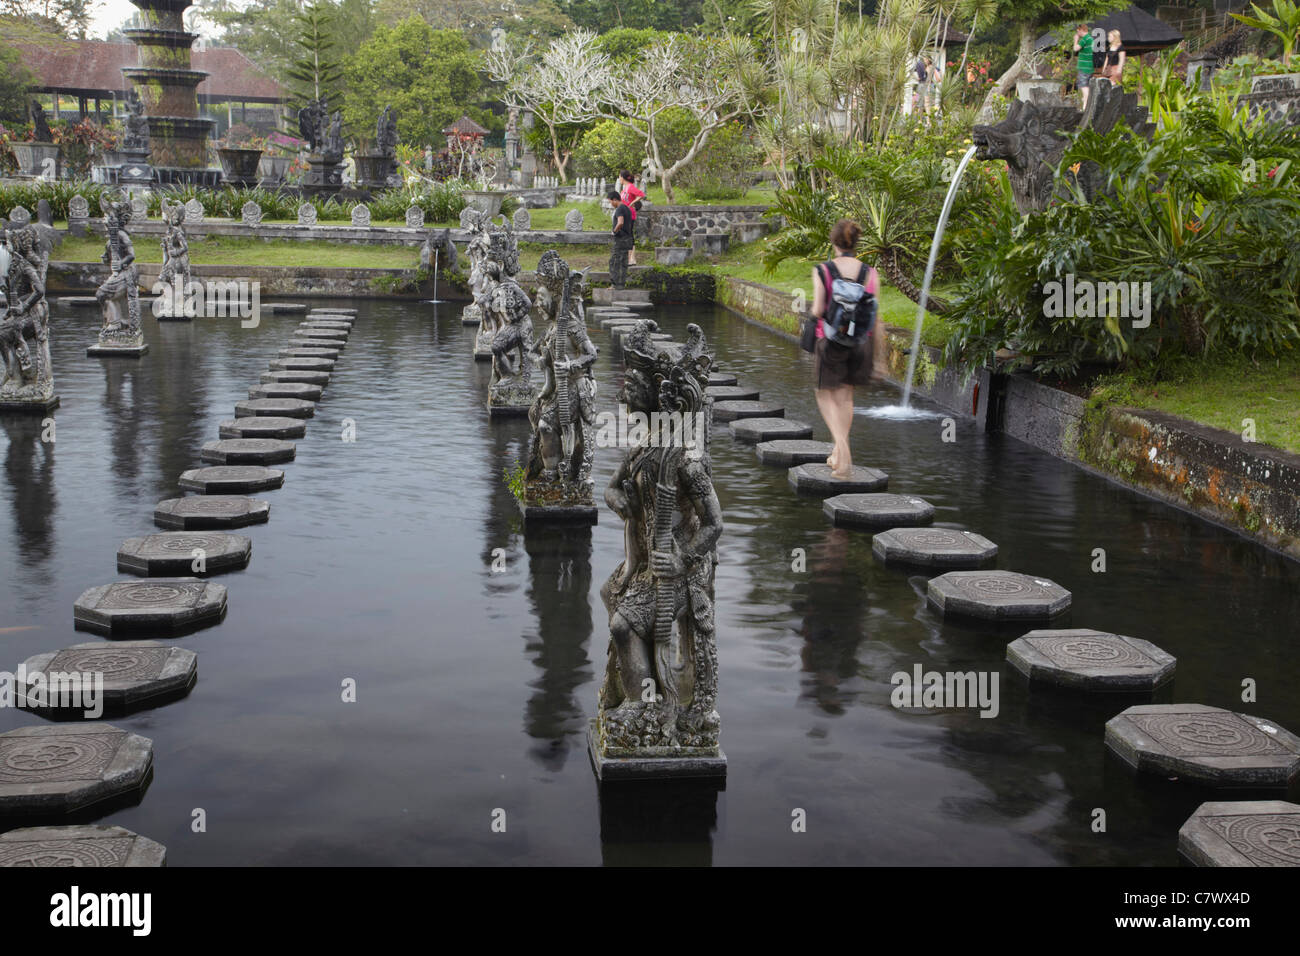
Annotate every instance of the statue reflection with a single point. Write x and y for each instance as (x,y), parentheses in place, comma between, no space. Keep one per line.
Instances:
(659,822)
(122,405)
(29,472)
(559,590)
(832,604)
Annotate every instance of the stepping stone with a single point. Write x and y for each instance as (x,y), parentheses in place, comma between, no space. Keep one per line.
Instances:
(612,322)
(1240,833)
(134,673)
(263,426)
(333,310)
(1090,660)
(332,335)
(67,767)
(996,595)
(287,407)
(327,322)
(785,452)
(79,301)
(285,308)
(327,326)
(740,393)
(172,552)
(301,363)
(231,479)
(879,510)
(320,344)
(308,352)
(721,378)
(248,451)
(155,604)
(815,479)
(1207,745)
(753,430)
(933,548)
(299,390)
(200,512)
(730,411)
(83,846)
(302,378)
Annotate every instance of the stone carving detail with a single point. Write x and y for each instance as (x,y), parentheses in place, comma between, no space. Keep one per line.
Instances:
(414,217)
(30,760)
(40,125)
(111,852)
(361,215)
(1034,135)
(573,220)
(119,295)
(136,137)
(561,451)
(193,212)
(139,210)
(438,249)
(250,214)
(78,208)
(1075,651)
(306,214)
(175,246)
(24,313)
(1206,734)
(127,595)
(660,598)
(124,664)
(522,219)
(1266,839)
(507,325)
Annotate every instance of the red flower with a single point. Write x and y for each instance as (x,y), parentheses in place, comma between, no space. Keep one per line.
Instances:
(1272,171)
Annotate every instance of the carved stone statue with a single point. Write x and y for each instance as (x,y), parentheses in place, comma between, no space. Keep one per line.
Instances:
(311,123)
(332,147)
(476,250)
(119,295)
(511,390)
(1034,135)
(175,246)
(439,248)
(500,262)
(658,699)
(136,137)
(561,451)
(386,133)
(40,124)
(25,315)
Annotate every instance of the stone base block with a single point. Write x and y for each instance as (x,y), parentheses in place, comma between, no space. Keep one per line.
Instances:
(34,406)
(116,351)
(611,769)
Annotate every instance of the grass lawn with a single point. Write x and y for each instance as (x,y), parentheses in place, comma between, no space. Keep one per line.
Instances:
(1219,391)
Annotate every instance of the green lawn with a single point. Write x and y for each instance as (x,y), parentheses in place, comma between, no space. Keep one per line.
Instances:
(1219,391)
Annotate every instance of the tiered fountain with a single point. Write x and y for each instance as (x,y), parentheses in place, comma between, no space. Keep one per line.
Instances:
(178,137)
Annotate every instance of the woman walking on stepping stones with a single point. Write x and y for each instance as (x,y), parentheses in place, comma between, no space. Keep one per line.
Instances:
(839,367)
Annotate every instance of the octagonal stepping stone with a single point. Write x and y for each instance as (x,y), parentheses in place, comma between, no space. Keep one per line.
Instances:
(285,308)
(308,352)
(879,510)
(328,335)
(933,548)
(173,552)
(299,390)
(322,344)
(275,407)
(729,411)
(323,327)
(336,309)
(737,393)
(67,767)
(1090,660)
(301,363)
(1206,745)
(200,512)
(611,322)
(815,479)
(323,322)
(785,452)
(248,451)
(722,378)
(263,426)
(134,673)
(1241,833)
(753,430)
(304,378)
(231,479)
(996,595)
(154,604)
(81,846)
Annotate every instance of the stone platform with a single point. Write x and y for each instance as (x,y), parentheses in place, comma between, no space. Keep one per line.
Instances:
(298,390)
(732,393)
(231,479)
(276,407)
(933,548)
(785,452)
(1206,745)
(301,363)
(79,846)
(203,512)
(815,479)
(325,345)
(263,426)
(172,552)
(248,451)
(301,378)
(996,595)
(67,767)
(155,604)
(39,406)
(1241,833)
(753,430)
(722,378)
(878,510)
(1091,660)
(119,351)
(613,769)
(135,673)
(730,411)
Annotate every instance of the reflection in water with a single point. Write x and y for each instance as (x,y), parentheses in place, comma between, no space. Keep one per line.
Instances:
(124,416)
(179,395)
(29,472)
(833,605)
(658,823)
(559,572)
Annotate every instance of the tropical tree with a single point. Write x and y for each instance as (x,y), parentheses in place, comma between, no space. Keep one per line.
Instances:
(318,69)
(15,81)
(1283,22)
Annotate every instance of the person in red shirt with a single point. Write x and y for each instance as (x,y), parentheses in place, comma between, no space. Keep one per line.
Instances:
(632,196)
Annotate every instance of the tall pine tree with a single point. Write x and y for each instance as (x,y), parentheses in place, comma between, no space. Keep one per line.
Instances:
(317,71)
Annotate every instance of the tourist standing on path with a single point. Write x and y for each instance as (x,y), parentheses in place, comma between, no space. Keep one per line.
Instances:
(839,368)
(1083,47)
(622,232)
(1113,60)
(932,78)
(632,196)
(922,75)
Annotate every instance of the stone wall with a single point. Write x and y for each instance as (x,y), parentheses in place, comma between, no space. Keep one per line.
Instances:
(154,229)
(676,286)
(741,223)
(1277,97)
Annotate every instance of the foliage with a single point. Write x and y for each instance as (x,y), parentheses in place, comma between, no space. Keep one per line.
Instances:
(609,147)
(426,75)
(654,14)
(15,81)
(317,70)
(625,44)
(514,478)
(56,193)
(1283,21)
(724,170)
(80,141)
(1207,214)
(66,18)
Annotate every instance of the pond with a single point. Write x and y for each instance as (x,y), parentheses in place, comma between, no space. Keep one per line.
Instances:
(474,685)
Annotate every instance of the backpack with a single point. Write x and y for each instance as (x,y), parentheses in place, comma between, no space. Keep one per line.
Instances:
(850,308)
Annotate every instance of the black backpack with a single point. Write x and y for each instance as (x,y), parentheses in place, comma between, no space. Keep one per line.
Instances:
(850,308)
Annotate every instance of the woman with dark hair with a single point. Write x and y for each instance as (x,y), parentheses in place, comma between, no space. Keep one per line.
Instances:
(632,196)
(838,368)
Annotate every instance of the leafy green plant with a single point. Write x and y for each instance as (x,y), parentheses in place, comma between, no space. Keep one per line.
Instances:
(514,478)
(1283,22)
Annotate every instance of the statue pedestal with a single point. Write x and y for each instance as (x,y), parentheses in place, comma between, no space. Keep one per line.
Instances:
(471,315)
(651,766)
(134,169)
(38,160)
(483,344)
(557,504)
(29,406)
(510,399)
(119,344)
(377,171)
(324,176)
